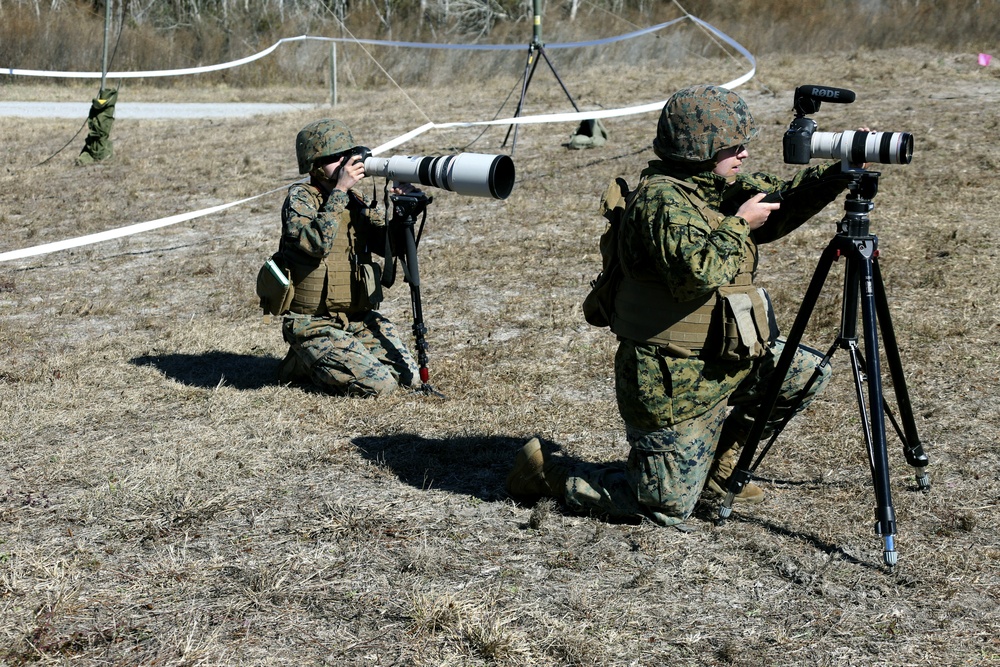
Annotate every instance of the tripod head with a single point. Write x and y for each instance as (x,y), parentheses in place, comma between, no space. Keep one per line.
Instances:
(409,206)
(861,190)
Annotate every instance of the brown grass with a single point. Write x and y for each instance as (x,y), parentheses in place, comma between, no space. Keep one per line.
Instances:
(155,36)
(162,501)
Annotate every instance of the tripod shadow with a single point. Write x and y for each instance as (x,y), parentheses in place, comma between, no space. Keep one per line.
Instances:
(708,511)
(210,369)
(475,465)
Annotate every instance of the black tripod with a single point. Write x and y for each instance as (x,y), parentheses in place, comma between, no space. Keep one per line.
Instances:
(535,48)
(863,287)
(401,243)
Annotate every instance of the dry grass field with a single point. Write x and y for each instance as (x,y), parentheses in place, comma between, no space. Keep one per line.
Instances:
(163,501)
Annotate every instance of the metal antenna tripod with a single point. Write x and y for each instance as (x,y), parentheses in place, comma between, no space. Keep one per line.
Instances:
(863,287)
(535,48)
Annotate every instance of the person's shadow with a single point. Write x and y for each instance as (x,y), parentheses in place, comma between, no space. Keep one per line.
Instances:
(478,466)
(210,369)
(473,465)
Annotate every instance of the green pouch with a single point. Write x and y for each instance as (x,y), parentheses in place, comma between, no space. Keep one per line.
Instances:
(274,287)
(746,323)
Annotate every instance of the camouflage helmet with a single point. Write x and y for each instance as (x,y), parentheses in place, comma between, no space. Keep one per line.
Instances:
(698,122)
(320,139)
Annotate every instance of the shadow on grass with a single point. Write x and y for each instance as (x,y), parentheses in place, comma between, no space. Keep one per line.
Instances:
(208,370)
(709,512)
(478,466)
(472,465)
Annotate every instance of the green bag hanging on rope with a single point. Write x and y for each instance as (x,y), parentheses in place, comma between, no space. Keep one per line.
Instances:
(97,145)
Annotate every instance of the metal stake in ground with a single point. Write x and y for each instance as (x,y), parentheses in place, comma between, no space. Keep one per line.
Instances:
(863,287)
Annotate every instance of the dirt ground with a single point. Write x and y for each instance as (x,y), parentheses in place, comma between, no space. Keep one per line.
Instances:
(164,501)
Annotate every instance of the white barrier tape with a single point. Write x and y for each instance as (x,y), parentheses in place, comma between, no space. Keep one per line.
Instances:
(739,81)
(13,71)
(124,231)
(541,118)
(152,73)
(403,138)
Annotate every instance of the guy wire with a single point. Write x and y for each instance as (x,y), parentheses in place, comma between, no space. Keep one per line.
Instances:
(496,115)
(716,41)
(379,65)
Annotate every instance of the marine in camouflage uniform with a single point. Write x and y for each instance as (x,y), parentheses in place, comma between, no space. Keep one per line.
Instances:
(687,387)
(337,340)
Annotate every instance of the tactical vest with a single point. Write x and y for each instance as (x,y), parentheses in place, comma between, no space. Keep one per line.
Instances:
(646,311)
(344,281)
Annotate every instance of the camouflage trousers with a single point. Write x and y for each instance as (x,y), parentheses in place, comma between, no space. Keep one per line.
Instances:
(667,467)
(365,357)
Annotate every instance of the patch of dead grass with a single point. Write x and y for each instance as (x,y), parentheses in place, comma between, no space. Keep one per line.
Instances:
(163,501)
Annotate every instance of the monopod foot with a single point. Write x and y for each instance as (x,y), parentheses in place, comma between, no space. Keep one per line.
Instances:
(428,390)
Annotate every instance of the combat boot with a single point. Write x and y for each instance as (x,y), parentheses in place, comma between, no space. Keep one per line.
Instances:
(717,484)
(534,474)
(291,369)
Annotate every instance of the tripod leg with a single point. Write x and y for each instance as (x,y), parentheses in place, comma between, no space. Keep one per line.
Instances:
(529,72)
(912,449)
(885,517)
(741,475)
(794,408)
(556,74)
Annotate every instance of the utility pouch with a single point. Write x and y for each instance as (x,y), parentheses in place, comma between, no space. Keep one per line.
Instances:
(274,287)
(598,305)
(744,324)
(367,285)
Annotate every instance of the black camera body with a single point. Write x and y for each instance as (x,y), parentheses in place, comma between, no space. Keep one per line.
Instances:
(796,144)
(362,151)
(802,141)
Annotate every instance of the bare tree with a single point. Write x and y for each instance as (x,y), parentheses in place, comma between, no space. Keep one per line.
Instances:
(476,17)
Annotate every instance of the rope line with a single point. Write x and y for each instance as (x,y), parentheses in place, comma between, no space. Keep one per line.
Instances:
(402,139)
(13,71)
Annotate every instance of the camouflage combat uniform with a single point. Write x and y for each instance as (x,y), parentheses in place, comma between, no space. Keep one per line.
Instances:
(336,337)
(356,352)
(674,405)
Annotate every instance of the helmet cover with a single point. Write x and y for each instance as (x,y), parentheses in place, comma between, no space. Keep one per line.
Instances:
(698,122)
(319,139)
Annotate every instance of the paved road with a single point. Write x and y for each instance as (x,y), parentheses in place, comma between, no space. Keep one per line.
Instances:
(149,109)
